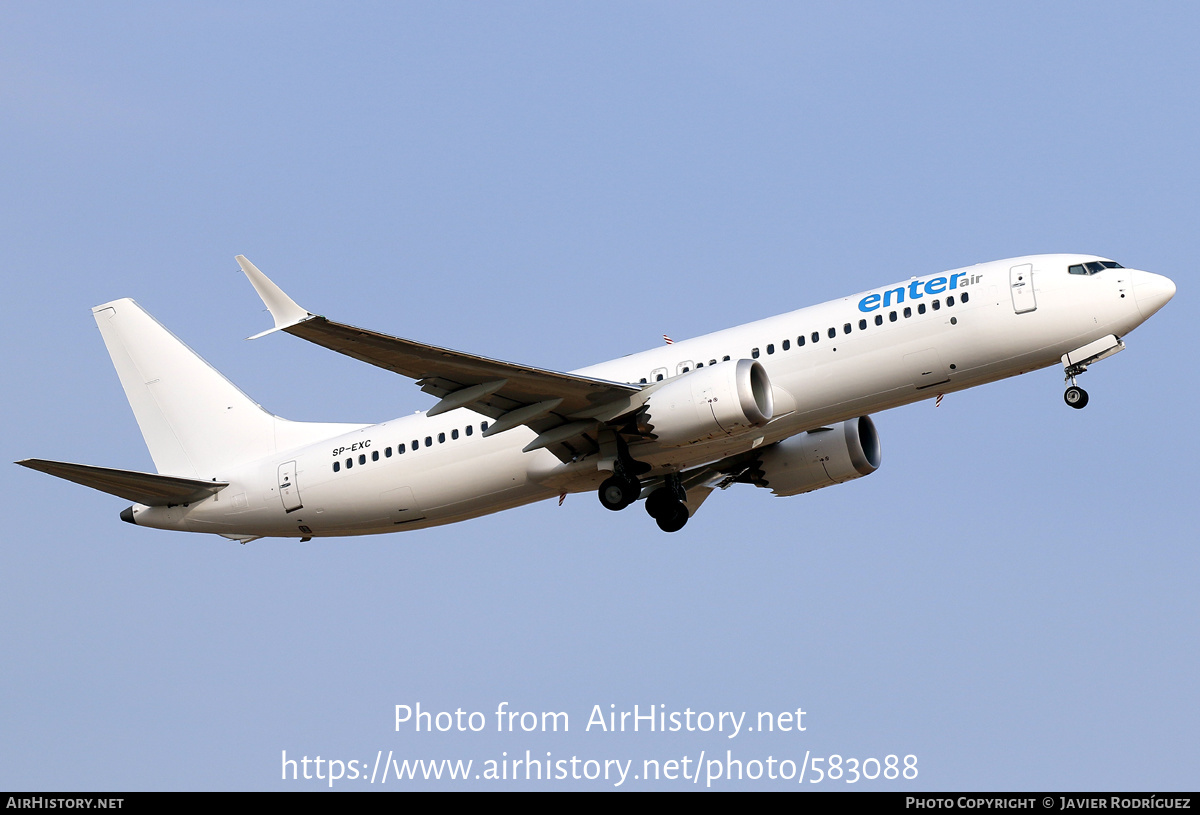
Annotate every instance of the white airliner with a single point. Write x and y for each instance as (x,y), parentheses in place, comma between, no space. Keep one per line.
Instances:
(781,403)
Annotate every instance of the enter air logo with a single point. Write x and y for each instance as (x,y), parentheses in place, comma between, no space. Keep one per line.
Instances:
(916,290)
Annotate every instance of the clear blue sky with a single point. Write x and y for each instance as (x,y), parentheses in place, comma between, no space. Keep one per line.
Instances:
(1011,598)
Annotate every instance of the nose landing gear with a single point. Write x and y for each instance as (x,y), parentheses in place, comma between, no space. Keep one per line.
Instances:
(1077,361)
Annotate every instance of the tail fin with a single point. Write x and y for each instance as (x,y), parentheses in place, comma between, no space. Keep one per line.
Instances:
(196,422)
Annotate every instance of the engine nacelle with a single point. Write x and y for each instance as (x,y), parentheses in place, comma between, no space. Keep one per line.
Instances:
(819,458)
(709,403)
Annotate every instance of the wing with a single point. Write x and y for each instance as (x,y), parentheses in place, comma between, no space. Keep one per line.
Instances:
(150,489)
(565,410)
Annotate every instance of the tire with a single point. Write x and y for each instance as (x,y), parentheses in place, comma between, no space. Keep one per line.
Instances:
(1076,397)
(658,503)
(616,493)
(674,519)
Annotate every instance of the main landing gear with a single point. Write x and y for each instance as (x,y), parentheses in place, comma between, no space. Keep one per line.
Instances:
(620,491)
(623,487)
(664,504)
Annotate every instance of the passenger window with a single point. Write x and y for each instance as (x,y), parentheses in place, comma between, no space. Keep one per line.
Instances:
(699,364)
(965,296)
(337,466)
(921,308)
(862,325)
(816,336)
(832,332)
(471,427)
(429,441)
(892,317)
(399,449)
(454,433)
(642,380)
(800,341)
(771,348)
(349,463)
(714,362)
(846,328)
(416,446)
(656,379)
(483,425)
(374,455)
(787,344)
(725,358)
(907,311)
(878,319)
(937,304)
(950,301)
(754,353)
(362,458)
(387,452)
(441,438)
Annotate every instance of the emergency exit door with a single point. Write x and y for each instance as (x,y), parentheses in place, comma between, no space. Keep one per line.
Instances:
(288,491)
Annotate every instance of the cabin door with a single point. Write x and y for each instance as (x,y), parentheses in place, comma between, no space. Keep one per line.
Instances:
(1020,281)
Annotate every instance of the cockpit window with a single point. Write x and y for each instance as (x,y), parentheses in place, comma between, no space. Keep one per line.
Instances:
(1093,267)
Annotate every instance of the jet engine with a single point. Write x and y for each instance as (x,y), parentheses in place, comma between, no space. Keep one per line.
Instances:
(709,403)
(818,458)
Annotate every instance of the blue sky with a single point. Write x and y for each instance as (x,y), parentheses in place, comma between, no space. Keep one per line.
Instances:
(1011,598)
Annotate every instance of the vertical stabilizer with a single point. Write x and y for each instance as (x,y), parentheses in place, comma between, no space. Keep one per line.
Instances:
(196,422)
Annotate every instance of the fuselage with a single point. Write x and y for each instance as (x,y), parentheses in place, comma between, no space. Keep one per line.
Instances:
(827,363)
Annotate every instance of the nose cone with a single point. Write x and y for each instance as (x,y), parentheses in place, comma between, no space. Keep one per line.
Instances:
(1152,291)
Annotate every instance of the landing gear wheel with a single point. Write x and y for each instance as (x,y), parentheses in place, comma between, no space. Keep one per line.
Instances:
(659,503)
(1076,397)
(617,493)
(673,518)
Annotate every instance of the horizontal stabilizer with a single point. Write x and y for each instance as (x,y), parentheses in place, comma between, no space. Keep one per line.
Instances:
(141,488)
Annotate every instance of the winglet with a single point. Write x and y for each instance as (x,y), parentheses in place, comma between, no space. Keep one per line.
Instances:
(282,308)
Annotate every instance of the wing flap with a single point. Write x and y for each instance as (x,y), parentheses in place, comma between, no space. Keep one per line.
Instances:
(150,489)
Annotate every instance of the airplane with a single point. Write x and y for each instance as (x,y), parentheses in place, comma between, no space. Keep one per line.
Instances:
(782,403)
